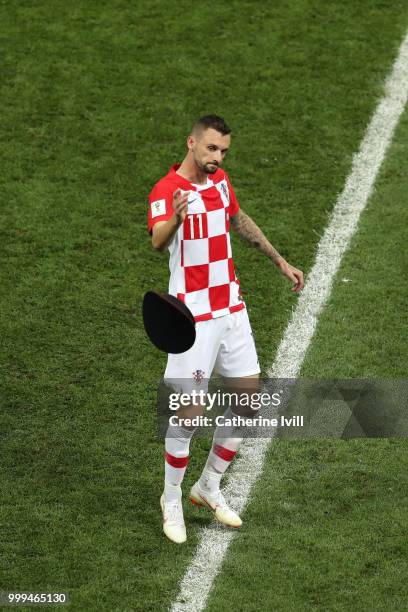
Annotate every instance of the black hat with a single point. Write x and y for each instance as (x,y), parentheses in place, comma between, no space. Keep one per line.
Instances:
(168,322)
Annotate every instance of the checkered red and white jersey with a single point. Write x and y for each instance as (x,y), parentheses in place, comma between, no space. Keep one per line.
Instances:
(202,273)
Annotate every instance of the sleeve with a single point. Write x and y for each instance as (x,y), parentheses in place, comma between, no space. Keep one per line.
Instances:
(160,204)
(233,202)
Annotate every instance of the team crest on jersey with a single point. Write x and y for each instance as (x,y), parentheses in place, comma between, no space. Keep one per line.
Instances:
(198,376)
(225,190)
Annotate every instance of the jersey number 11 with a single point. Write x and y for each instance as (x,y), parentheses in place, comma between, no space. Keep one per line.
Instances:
(200,226)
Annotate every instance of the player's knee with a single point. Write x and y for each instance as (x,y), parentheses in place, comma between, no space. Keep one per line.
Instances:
(189,416)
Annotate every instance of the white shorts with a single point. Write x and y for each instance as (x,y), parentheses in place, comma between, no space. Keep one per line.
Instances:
(224,345)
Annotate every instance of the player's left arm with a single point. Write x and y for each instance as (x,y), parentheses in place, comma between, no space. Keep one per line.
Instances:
(251,233)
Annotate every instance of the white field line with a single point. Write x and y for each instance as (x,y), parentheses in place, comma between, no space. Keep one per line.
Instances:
(214,540)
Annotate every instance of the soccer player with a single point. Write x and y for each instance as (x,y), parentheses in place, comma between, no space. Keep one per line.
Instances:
(190,213)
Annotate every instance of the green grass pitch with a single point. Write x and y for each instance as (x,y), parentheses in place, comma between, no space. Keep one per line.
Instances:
(96,100)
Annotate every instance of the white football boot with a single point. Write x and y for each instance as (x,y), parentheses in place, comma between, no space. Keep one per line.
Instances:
(217,504)
(173,520)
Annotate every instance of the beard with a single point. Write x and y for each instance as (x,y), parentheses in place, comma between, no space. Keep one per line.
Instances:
(209,168)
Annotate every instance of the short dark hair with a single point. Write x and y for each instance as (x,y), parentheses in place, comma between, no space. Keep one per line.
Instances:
(212,121)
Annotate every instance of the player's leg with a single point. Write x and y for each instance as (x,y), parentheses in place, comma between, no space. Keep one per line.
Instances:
(176,453)
(228,435)
(185,372)
(237,361)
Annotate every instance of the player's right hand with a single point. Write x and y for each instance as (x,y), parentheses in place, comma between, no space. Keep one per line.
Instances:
(180,204)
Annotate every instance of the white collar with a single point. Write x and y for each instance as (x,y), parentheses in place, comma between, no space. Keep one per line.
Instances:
(207,185)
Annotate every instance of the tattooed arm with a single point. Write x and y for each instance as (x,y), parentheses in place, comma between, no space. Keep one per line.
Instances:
(250,232)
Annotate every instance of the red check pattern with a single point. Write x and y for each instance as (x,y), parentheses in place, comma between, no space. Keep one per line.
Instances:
(202,273)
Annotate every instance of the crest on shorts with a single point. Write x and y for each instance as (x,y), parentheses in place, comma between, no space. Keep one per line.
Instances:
(198,376)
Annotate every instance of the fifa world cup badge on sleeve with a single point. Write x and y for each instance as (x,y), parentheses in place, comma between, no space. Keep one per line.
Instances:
(158,208)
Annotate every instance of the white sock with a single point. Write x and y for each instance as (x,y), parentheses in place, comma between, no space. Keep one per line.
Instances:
(177,446)
(226,442)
